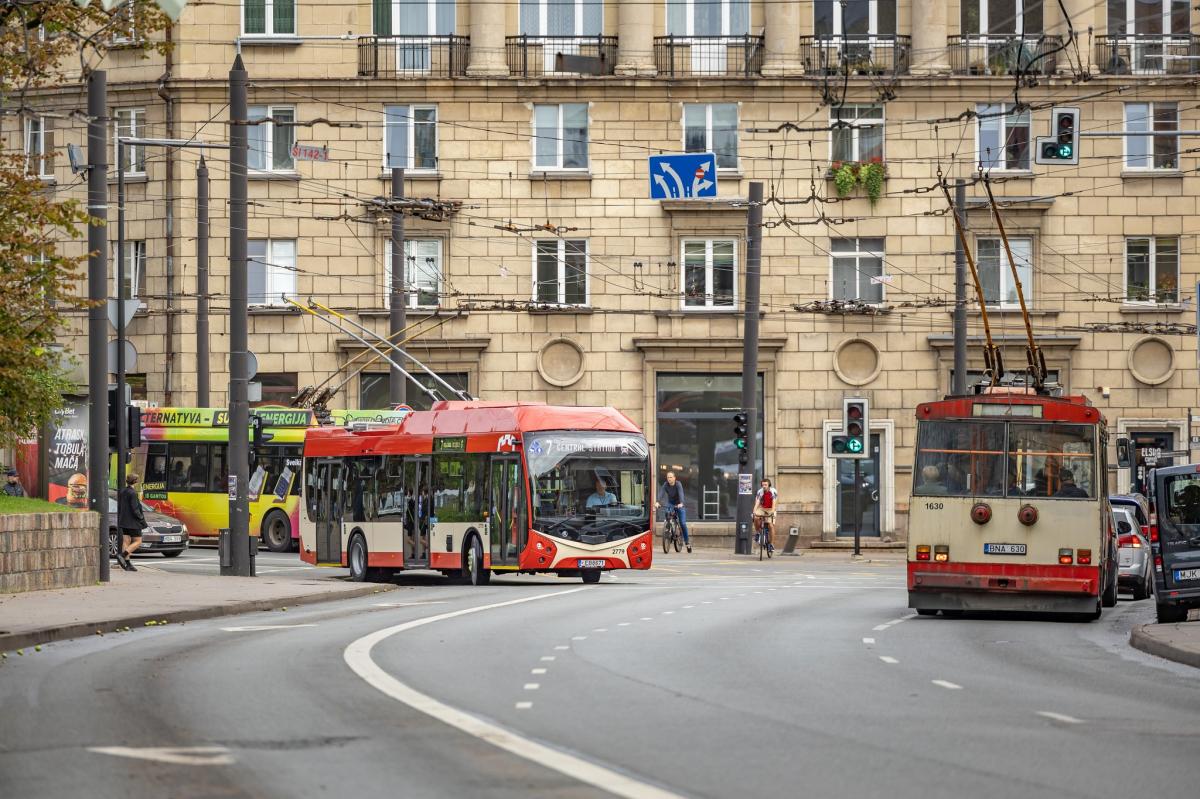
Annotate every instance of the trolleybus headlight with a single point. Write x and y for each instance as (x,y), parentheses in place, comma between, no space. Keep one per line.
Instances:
(923,552)
(1084,558)
(941,553)
(981,513)
(1027,515)
(1065,557)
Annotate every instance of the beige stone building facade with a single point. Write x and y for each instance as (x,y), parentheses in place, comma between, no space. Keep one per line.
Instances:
(547,272)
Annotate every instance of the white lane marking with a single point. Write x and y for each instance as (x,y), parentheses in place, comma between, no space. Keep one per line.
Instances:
(868,640)
(668,612)
(623,624)
(879,627)
(176,755)
(647,618)
(252,628)
(561,647)
(532,686)
(358,657)
(1065,719)
(547,658)
(600,630)
(578,637)
(949,686)
(537,671)
(892,623)
(688,607)
(407,604)
(706,602)
(758,592)
(724,598)
(524,705)
(887,659)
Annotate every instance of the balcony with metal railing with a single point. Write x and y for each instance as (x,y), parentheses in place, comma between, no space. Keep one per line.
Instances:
(412,56)
(565,56)
(720,56)
(1149,54)
(854,54)
(1003,55)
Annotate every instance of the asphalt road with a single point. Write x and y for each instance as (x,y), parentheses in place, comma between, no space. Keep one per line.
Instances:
(205,560)
(704,677)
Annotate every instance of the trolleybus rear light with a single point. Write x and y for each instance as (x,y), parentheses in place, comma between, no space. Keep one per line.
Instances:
(1084,558)
(923,552)
(1065,557)
(1027,515)
(941,553)
(981,513)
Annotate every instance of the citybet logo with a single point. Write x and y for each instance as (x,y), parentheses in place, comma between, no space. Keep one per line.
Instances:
(507,443)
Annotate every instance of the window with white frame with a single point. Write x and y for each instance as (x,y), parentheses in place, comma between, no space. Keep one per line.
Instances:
(269,17)
(708,17)
(1151,152)
(1148,17)
(422,271)
(1152,269)
(996,275)
(131,124)
(854,17)
(413,17)
(560,271)
(857,133)
(39,147)
(712,128)
(709,275)
(562,17)
(1003,137)
(410,137)
(134,266)
(272,270)
(1001,17)
(124,25)
(560,136)
(856,270)
(271,134)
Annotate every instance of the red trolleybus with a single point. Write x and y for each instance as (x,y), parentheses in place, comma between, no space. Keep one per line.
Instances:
(471,488)
(1009,507)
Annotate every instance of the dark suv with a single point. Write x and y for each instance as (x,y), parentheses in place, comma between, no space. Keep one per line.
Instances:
(1175,541)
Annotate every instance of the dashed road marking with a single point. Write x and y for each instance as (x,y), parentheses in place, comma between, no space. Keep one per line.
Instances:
(253,628)
(668,612)
(647,618)
(949,686)
(578,637)
(1064,718)
(887,659)
(175,755)
(688,607)
(532,686)
(537,671)
(562,647)
(547,658)
(892,623)
(868,640)
(600,630)
(623,624)
(524,705)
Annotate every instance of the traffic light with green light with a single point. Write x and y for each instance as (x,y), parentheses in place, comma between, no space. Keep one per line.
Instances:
(1061,147)
(852,440)
(740,432)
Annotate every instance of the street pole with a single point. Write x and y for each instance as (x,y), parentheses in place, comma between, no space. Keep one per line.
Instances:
(745,501)
(959,386)
(397,388)
(858,505)
(122,414)
(97,295)
(202,284)
(239,410)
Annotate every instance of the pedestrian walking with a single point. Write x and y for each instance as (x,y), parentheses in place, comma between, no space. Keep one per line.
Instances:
(130,522)
(12,486)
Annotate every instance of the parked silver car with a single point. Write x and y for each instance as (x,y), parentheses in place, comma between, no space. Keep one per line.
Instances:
(1136,566)
(163,533)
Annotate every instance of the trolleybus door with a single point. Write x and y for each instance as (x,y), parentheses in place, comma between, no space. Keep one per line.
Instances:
(507,507)
(329,516)
(417,509)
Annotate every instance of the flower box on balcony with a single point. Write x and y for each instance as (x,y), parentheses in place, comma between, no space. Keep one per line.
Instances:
(847,176)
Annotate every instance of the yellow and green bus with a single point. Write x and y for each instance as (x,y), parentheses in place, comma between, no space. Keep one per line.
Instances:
(184,465)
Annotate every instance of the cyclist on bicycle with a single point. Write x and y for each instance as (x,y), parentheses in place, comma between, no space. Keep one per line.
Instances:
(671,492)
(765,502)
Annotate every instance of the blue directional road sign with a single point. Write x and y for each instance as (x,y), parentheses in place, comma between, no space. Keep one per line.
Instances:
(683,177)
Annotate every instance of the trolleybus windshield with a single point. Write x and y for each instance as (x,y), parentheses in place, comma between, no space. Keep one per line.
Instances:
(589,487)
(969,458)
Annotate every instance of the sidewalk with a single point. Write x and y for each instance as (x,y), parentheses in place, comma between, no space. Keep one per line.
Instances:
(132,600)
(1178,642)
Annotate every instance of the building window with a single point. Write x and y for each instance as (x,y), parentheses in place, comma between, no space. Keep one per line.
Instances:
(996,275)
(560,271)
(271,138)
(854,17)
(1001,17)
(137,386)
(708,17)
(694,442)
(1148,18)
(374,388)
(39,147)
(862,141)
(709,277)
(1152,269)
(1151,152)
(857,269)
(131,124)
(278,388)
(712,128)
(1003,137)
(422,271)
(560,136)
(410,137)
(413,17)
(272,270)
(562,17)
(135,268)
(269,17)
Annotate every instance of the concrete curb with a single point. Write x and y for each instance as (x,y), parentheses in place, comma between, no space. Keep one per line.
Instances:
(14,641)
(1142,637)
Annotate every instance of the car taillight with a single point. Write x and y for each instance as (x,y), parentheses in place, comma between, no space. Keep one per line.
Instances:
(1084,558)
(1158,562)
(941,553)
(1130,540)
(1154,534)
(923,552)
(1065,557)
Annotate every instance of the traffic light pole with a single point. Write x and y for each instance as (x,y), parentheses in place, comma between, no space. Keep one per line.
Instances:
(97,105)
(121,414)
(857,507)
(745,500)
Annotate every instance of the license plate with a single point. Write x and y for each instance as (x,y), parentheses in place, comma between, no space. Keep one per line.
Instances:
(1187,574)
(591,564)
(1004,549)
(172,539)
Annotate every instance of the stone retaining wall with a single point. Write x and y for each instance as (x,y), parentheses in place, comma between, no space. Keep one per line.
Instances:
(47,550)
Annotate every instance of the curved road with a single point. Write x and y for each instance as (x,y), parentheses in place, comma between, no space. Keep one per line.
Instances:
(704,677)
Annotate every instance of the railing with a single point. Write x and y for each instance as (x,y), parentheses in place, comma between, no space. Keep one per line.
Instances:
(884,54)
(1148,55)
(1003,55)
(537,56)
(412,56)
(728,56)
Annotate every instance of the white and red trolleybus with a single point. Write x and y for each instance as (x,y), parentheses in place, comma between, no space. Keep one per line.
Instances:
(471,488)
(1009,506)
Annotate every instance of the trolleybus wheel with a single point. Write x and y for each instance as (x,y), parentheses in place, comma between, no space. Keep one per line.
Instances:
(474,572)
(356,556)
(590,575)
(1109,599)
(277,532)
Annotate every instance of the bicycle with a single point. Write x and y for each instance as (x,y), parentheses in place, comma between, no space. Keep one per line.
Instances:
(762,537)
(671,531)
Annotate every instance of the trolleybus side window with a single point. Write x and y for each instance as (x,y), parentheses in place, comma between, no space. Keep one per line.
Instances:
(312,489)
(1052,461)
(958,458)
(459,485)
(156,464)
